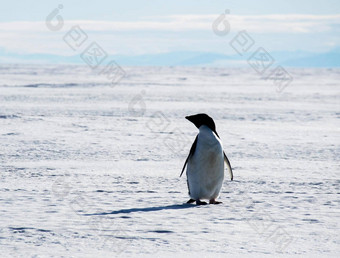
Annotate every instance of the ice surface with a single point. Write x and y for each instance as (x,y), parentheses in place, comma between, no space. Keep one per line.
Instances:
(92,170)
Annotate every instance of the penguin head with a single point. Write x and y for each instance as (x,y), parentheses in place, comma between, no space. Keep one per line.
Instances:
(202,119)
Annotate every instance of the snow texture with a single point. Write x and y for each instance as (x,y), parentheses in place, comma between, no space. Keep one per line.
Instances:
(91,169)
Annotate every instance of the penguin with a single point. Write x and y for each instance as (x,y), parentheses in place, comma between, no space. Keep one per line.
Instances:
(205,162)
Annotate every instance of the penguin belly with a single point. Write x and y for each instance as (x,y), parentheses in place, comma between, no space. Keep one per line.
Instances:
(205,171)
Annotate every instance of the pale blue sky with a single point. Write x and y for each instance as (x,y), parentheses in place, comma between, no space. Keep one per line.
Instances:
(28,10)
(133,27)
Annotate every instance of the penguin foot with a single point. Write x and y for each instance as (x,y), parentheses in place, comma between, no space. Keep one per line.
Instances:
(191,201)
(214,202)
(198,202)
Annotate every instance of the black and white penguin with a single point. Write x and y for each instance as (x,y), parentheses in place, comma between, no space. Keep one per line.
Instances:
(205,162)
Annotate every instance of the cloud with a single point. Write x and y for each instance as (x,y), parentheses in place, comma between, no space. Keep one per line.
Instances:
(281,23)
(164,33)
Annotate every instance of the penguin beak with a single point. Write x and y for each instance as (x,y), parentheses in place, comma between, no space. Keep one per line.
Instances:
(190,118)
(193,119)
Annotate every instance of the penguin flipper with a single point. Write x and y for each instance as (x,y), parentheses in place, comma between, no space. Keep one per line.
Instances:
(192,151)
(228,165)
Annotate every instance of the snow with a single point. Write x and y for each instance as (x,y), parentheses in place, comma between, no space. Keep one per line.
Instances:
(90,169)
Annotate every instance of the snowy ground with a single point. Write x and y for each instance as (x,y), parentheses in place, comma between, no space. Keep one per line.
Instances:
(88,169)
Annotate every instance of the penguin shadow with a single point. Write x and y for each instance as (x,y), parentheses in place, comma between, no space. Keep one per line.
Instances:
(147,209)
